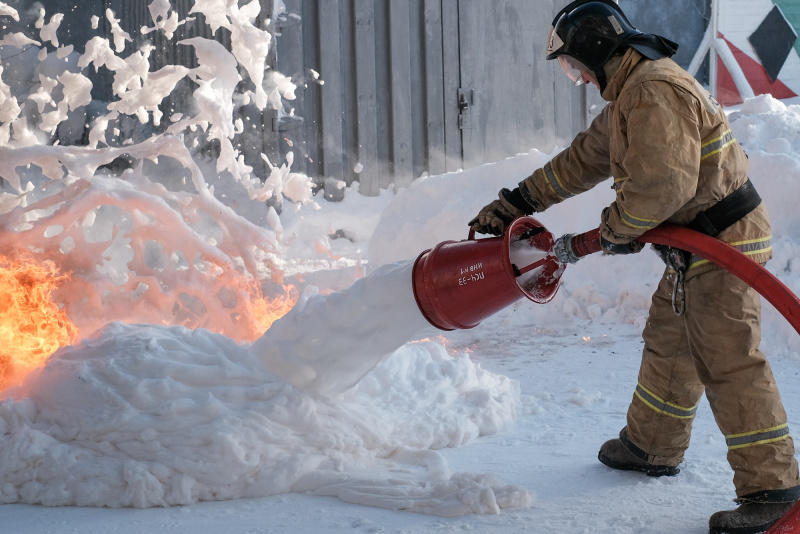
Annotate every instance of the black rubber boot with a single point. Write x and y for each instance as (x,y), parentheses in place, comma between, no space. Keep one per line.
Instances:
(756,512)
(621,454)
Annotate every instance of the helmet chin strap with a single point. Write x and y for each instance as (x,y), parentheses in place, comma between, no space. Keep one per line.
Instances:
(600,76)
(608,69)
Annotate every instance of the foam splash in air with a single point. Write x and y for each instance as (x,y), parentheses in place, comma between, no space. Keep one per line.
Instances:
(165,240)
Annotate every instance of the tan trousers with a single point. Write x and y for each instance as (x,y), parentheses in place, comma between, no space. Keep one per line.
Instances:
(713,347)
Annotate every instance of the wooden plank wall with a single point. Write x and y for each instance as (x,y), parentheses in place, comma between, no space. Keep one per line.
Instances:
(378,81)
(387,110)
(520,100)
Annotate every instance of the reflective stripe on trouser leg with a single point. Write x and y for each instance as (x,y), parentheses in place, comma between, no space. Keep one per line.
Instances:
(757,437)
(723,325)
(662,411)
(664,407)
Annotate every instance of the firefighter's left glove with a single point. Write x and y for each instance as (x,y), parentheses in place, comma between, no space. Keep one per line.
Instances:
(620,248)
(495,217)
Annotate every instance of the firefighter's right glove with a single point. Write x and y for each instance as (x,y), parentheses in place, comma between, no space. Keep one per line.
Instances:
(495,217)
(564,251)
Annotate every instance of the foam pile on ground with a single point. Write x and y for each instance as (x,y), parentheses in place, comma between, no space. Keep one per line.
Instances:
(153,416)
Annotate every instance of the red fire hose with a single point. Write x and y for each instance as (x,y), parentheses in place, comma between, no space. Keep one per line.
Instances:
(724,255)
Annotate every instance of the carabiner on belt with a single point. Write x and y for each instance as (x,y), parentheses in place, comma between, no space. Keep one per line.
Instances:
(678,294)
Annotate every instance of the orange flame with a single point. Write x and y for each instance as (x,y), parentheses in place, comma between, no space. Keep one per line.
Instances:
(32,326)
(266,312)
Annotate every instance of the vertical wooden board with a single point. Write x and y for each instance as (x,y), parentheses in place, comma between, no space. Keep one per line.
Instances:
(418,92)
(313,90)
(289,62)
(331,91)
(349,89)
(180,52)
(366,107)
(138,16)
(499,41)
(544,91)
(401,159)
(473,53)
(383,86)
(434,87)
(452,81)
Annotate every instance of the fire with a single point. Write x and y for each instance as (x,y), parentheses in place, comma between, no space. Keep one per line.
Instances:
(266,312)
(446,343)
(32,326)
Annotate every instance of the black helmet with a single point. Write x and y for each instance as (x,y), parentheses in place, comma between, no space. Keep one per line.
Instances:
(592,31)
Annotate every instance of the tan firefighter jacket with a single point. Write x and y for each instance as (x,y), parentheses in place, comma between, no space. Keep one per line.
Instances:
(668,146)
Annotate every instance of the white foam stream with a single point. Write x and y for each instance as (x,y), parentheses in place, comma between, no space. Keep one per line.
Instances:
(328,343)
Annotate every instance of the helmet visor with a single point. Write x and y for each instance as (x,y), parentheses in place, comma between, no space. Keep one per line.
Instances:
(573,68)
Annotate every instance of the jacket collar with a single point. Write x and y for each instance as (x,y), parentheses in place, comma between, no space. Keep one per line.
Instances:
(630,60)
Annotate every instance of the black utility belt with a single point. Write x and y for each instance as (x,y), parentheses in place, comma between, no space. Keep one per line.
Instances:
(711,222)
(727,211)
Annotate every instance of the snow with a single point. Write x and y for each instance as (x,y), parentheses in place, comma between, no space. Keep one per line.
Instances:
(351,413)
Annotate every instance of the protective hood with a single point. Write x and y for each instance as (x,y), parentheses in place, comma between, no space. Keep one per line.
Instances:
(652,46)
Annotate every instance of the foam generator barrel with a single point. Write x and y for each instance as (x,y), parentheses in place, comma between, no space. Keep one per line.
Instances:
(458,284)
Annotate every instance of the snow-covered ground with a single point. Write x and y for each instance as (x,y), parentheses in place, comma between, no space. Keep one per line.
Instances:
(320,425)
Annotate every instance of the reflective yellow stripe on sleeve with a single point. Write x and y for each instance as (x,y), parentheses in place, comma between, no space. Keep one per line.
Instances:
(663,407)
(716,145)
(757,437)
(554,183)
(638,222)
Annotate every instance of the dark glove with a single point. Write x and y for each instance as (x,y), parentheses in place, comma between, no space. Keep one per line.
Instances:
(620,248)
(496,216)
(608,247)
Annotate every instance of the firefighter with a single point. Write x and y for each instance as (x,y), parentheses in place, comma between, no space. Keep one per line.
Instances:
(669,148)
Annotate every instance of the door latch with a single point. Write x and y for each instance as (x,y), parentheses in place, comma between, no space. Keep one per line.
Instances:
(465,102)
